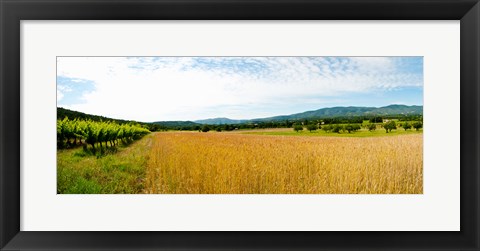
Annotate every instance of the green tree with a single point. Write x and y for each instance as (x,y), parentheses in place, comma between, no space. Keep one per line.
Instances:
(327,128)
(371,127)
(205,128)
(376,120)
(312,127)
(349,128)
(337,128)
(389,126)
(417,125)
(406,126)
(298,128)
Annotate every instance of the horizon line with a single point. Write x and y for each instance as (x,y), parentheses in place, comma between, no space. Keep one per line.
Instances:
(238,119)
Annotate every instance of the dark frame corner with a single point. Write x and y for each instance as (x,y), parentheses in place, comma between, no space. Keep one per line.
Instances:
(13,11)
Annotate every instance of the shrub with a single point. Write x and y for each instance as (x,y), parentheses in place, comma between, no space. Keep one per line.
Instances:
(312,127)
(298,128)
(417,125)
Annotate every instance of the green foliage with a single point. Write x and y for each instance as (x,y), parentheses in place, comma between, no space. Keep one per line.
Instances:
(406,126)
(205,128)
(63,113)
(322,133)
(376,120)
(298,128)
(312,127)
(417,125)
(327,128)
(75,132)
(79,172)
(371,127)
(337,128)
(352,127)
(389,126)
(348,128)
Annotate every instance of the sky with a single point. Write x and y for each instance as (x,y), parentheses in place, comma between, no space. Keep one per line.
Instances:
(151,89)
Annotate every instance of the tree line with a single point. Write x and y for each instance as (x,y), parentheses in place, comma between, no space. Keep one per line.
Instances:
(286,123)
(259,124)
(337,128)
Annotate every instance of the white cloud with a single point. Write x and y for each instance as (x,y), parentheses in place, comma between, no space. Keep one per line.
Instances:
(149,89)
(59,95)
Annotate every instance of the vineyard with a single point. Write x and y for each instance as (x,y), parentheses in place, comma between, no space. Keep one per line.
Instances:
(98,135)
(344,158)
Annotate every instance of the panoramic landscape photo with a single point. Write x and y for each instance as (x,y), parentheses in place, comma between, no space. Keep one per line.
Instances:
(239,125)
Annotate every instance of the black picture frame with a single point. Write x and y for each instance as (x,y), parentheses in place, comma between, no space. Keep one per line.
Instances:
(13,11)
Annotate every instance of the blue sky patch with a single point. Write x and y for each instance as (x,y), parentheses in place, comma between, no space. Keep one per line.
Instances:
(71,90)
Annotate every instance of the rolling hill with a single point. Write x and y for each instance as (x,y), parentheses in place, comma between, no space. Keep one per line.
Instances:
(331,112)
(220,121)
(350,111)
(62,113)
(174,124)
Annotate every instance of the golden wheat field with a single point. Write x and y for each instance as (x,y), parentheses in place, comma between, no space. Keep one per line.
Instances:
(221,163)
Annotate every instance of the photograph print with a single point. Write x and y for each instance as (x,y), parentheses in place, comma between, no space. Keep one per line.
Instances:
(240,125)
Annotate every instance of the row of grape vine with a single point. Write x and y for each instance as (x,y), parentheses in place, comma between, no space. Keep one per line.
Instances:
(72,133)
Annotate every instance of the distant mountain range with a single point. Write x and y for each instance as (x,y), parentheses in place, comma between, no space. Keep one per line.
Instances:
(349,111)
(332,112)
(173,124)
(220,121)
